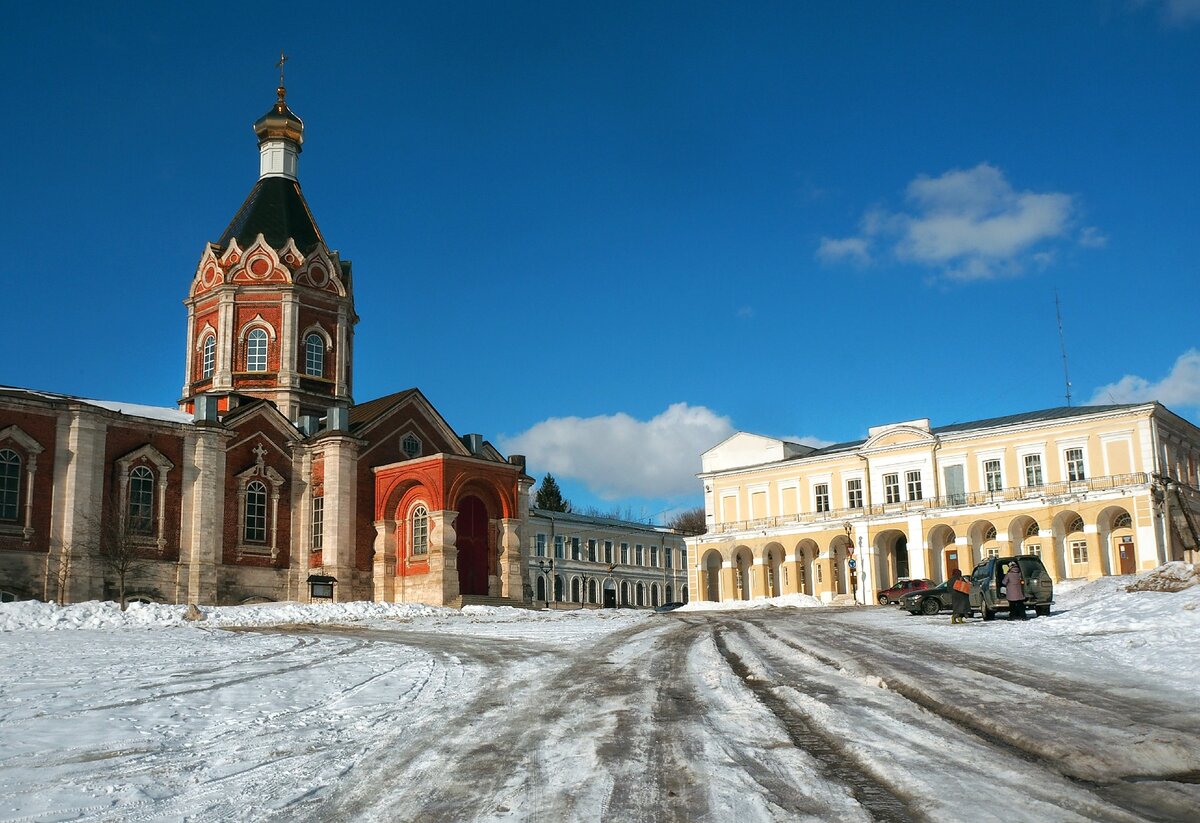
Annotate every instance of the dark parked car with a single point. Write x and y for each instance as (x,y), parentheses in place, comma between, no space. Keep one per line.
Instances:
(902,588)
(987,597)
(667,607)
(928,601)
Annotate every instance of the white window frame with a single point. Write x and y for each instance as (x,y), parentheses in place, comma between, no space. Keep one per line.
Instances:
(1038,466)
(891,490)
(419,531)
(851,493)
(821,499)
(913,486)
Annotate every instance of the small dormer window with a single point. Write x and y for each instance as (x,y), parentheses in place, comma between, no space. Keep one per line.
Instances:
(411,445)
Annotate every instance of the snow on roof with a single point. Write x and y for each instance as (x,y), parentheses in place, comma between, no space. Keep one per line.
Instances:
(165,413)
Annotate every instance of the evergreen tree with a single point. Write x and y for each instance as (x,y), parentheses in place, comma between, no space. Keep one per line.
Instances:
(549,496)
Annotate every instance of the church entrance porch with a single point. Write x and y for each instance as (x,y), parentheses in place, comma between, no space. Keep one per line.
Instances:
(469,506)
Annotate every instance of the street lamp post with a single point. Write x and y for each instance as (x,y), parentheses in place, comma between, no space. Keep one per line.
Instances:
(548,571)
(851,562)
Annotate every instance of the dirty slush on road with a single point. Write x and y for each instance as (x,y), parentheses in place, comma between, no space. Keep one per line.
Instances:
(773,715)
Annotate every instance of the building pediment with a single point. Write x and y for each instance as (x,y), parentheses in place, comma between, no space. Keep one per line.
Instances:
(744,449)
(899,435)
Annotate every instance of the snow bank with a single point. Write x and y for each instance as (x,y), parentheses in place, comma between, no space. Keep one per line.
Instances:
(794,601)
(1171,577)
(95,614)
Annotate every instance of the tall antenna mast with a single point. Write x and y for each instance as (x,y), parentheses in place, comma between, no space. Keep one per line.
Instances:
(1062,344)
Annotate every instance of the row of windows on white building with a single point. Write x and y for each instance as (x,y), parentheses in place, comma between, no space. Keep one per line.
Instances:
(641,555)
(894,491)
(256,354)
(586,590)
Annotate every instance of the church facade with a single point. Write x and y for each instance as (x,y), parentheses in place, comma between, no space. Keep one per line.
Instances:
(266,476)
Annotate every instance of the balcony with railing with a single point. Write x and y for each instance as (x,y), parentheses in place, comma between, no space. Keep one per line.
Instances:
(1045,493)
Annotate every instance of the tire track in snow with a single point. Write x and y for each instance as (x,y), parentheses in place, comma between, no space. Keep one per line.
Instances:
(876,797)
(910,671)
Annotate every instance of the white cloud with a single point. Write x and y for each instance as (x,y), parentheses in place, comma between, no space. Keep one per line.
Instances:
(1092,238)
(1180,12)
(970,224)
(1179,388)
(854,249)
(618,456)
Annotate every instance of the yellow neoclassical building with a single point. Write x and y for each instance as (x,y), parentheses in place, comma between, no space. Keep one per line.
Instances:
(1093,490)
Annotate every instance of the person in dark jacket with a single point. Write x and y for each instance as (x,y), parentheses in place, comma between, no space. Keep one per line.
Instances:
(1014,592)
(961,601)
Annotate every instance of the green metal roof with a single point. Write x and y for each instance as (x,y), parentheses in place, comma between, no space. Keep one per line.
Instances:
(276,209)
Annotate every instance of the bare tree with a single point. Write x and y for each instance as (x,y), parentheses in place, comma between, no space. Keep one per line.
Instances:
(689,521)
(124,548)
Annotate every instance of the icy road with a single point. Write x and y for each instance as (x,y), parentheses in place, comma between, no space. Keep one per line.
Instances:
(765,715)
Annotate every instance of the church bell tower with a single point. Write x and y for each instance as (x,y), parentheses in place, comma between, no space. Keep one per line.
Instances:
(271,306)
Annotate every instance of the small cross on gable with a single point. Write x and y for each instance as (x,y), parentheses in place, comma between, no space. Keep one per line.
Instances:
(259,453)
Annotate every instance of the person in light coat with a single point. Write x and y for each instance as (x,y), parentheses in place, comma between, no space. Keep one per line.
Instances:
(1014,592)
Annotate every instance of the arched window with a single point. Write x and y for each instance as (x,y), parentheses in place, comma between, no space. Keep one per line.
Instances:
(1123,521)
(670,591)
(141,501)
(10,485)
(314,355)
(256,512)
(641,595)
(575,590)
(990,533)
(654,595)
(208,357)
(1032,530)
(683,595)
(256,351)
(592,590)
(558,588)
(541,588)
(1075,525)
(420,530)
(624,593)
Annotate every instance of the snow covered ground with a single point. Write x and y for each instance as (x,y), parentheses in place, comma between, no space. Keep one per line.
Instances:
(783,711)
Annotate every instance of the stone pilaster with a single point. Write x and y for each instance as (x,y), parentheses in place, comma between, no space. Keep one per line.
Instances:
(203,515)
(78,503)
(341,505)
(384,573)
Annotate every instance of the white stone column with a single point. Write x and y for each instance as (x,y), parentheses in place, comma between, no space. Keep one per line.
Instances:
(443,559)
(509,565)
(341,508)
(202,523)
(226,341)
(385,561)
(78,503)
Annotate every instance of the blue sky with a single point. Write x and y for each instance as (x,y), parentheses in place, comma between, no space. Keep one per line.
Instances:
(609,235)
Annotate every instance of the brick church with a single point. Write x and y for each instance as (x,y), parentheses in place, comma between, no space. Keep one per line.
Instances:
(267,475)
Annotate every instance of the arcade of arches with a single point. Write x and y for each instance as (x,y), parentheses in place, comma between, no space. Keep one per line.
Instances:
(1084,543)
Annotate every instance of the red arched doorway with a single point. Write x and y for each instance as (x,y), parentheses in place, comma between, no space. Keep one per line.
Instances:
(472,529)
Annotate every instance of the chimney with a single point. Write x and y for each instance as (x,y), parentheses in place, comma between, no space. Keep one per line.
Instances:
(205,409)
(473,442)
(309,424)
(517,460)
(338,419)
